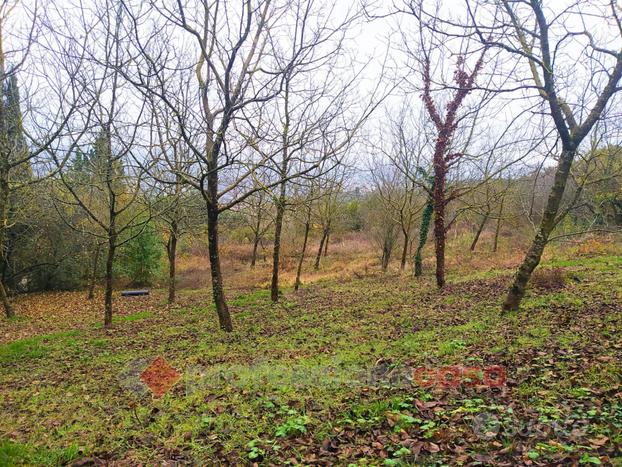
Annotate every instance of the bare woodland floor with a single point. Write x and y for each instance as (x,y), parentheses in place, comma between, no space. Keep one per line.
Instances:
(324,377)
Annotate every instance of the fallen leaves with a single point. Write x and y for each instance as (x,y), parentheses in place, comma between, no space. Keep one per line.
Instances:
(561,403)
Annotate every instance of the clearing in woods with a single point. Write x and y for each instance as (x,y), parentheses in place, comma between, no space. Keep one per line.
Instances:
(327,376)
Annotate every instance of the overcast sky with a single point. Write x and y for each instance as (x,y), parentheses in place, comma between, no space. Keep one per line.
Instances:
(380,45)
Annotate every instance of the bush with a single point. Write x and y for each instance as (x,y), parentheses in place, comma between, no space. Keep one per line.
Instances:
(548,279)
(592,247)
(139,258)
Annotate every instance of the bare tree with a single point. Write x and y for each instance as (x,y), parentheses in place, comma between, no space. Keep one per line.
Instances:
(399,200)
(179,209)
(233,72)
(259,217)
(25,140)
(110,191)
(303,201)
(234,58)
(486,201)
(316,107)
(307,197)
(399,184)
(548,40)
(326,208)
(382,226)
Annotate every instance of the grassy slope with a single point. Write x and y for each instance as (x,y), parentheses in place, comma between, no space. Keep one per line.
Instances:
(267,395)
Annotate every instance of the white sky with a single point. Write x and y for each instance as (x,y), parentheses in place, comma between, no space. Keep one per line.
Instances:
(371,41)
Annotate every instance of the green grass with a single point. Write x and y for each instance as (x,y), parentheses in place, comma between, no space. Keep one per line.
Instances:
(138,316)
(598,263)
(533,337)
(294,374)
(553,299)
(36,347)
(133,317)
(24,454)
(256,297)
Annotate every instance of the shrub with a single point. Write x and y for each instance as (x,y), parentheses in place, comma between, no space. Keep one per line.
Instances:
(592,247)
(139,258)
(548,279)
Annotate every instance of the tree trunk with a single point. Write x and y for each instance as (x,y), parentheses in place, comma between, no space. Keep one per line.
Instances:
(109,278)
(326,243)
(498,227)
(386,256)
(255,246)
(418,262)
(479,231)
(440,231)
(280,207)
(316,266)
(4,202)
(263,250)
(4,183)
(224,318)
(93,280)
(548,223)
(404,251)
(423,236)
(6,303)
(276,251)
(8,308)
(302,254)
(171,249)
(257,237)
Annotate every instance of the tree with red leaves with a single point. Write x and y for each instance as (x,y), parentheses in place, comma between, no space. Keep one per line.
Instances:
(443,159)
